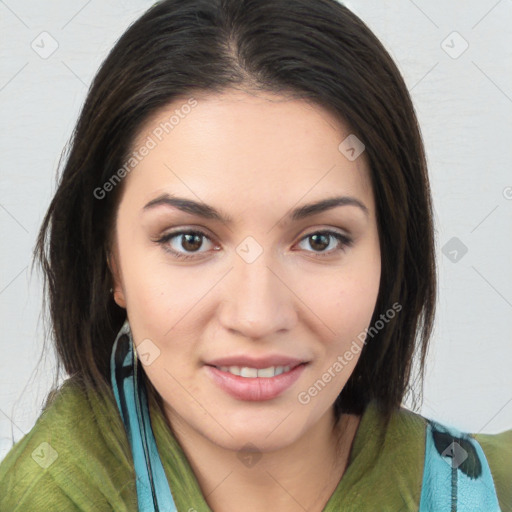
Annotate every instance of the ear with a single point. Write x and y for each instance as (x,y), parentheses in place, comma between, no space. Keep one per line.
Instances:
(117,287)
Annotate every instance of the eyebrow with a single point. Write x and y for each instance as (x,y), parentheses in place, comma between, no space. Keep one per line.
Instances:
(209,212)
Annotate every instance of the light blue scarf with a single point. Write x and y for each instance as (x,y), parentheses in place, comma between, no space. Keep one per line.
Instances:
(153,492)
(456,476)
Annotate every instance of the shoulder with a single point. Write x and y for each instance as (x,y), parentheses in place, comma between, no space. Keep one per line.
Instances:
(386,457)
(498,452)
(411,440)
(76,457)
(470,468)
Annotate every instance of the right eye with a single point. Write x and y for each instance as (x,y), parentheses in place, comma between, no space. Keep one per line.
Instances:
(191,240)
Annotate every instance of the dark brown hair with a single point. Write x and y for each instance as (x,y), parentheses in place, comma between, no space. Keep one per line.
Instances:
(317,50)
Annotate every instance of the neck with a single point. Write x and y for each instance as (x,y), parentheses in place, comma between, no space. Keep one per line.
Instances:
(297,477)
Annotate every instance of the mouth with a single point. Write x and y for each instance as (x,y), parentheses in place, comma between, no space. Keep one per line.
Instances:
(248,383)
(252,373)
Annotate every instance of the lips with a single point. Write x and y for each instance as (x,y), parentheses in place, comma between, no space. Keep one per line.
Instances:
(259,363)
(255,378)
(245,385)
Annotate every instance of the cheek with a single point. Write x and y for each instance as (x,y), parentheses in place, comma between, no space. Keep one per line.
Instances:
(153,292)
(346,303)
(347,311)
(347,307)
(162,304)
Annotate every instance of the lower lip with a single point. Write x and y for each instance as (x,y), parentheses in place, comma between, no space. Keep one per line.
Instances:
(255,388)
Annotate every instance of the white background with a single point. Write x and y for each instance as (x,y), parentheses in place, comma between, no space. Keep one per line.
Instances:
(464,105)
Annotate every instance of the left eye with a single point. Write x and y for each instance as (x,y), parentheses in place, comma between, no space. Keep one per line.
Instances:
(321,240)
(192,242)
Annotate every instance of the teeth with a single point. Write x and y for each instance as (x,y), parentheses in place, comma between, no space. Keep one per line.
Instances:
(266,372)
(248,372)
(279,370)
(245,371)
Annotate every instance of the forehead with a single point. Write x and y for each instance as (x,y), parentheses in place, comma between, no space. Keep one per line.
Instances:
(245,144)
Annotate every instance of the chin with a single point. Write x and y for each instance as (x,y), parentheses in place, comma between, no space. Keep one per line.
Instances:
(266,431)
(253,441)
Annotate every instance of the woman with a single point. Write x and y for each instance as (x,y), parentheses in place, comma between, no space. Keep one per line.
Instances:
(240,267)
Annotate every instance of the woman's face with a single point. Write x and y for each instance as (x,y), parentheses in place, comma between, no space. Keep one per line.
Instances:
(241,274)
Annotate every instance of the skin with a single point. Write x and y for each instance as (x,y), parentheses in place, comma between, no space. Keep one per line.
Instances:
(254,157)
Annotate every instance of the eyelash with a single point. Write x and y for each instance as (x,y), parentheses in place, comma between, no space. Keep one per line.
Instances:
(344,242)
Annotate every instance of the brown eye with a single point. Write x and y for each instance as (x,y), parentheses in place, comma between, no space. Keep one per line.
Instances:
(180,243)
(191,242)
(319,241)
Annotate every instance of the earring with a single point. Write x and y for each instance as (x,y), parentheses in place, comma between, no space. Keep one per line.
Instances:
(111,290)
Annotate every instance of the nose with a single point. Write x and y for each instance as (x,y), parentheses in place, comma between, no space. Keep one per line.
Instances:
(257,302)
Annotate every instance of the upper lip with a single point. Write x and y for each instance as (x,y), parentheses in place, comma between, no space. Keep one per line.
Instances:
(256,362)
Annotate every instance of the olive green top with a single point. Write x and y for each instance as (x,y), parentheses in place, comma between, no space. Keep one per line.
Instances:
(77,458)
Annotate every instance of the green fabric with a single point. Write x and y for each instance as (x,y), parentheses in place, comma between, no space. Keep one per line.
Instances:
(93,468)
